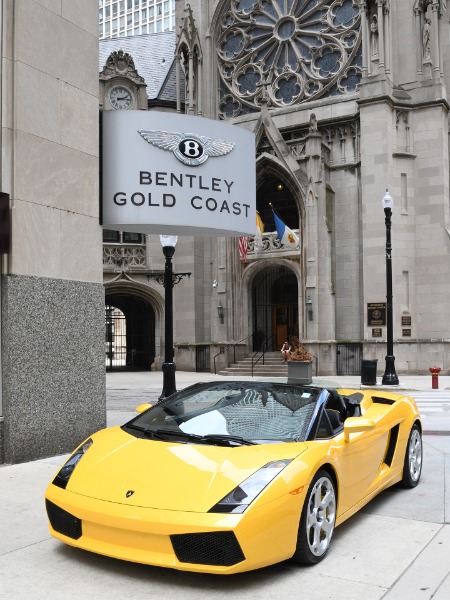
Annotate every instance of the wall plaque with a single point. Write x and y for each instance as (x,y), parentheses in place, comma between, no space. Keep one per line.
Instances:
(376,313)
(376,332)
(406,321)
(406,332)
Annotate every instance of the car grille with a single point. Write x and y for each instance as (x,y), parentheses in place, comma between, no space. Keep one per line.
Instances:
(63,522)
(219,548)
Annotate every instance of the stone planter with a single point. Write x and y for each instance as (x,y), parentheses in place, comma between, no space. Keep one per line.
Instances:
(299,371)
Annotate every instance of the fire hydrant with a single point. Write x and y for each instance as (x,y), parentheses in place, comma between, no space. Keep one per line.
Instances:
(435,377)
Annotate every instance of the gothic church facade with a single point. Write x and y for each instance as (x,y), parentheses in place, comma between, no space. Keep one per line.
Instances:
(347,98)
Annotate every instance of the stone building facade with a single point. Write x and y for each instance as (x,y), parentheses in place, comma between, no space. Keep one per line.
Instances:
(347,98)
(52,298)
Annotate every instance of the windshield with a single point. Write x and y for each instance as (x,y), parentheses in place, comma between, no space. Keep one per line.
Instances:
(249,411)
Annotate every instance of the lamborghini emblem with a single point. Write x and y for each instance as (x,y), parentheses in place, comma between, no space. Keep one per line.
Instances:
(190,148)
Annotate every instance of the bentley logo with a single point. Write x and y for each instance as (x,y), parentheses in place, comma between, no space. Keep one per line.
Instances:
(129,493)
(189,148)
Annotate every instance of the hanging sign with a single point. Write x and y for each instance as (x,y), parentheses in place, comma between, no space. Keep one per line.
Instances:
(165,173)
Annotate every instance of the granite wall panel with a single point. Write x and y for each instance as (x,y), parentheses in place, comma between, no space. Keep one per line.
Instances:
(53,365)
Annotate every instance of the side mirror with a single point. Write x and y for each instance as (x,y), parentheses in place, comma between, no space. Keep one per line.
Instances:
(357,425)
(143,407)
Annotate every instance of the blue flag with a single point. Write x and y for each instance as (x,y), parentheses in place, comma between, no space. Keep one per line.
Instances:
(286,236)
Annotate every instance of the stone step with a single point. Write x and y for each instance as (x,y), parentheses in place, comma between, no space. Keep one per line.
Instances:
(243,373)
(272,367)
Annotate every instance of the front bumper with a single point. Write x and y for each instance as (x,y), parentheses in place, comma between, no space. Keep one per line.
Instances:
(209,543)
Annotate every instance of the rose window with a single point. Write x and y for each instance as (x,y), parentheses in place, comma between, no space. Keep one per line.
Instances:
(286,52)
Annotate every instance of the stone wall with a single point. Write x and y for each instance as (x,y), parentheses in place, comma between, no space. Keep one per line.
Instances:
(52,312)
(53,367)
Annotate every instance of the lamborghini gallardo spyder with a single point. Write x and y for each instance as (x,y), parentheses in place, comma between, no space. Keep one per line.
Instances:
(232,476)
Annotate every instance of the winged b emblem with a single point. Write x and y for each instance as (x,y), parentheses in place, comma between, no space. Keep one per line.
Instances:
(190,148)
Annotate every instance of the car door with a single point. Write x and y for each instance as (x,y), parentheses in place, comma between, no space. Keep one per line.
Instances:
(359,460)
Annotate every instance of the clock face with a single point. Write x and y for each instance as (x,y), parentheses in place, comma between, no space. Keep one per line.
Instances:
(120,97)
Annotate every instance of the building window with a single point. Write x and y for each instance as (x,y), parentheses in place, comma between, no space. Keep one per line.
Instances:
(122,237)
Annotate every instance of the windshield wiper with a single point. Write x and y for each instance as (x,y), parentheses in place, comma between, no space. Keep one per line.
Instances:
(167,434)
(227,439)
(155,435)
(210,438)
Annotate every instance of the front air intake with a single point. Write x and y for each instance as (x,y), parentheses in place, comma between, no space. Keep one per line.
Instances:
(63,522)
(219,548)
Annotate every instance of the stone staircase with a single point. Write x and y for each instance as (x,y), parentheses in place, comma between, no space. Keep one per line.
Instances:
(272,367)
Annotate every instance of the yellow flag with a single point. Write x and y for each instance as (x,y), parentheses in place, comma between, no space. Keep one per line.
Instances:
(259,223)
(259,232)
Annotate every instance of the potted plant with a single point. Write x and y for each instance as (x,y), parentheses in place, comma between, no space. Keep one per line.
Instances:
(299,363)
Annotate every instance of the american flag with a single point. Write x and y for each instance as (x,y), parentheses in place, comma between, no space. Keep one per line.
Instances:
(243,247)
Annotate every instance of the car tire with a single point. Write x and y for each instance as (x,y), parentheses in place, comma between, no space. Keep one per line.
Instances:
(317,520)
(412,466)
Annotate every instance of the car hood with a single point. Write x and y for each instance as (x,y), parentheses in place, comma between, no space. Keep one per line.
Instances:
(173,476)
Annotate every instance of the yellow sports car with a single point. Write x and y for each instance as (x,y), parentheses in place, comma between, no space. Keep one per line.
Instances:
(228,477)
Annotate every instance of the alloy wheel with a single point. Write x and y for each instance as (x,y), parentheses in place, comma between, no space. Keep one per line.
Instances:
(415,455)
(321,516)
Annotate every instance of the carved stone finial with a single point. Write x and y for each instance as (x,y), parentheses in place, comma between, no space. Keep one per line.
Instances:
(120,63)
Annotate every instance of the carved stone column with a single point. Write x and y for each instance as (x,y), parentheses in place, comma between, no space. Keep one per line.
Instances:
(387,37)
(191,83)
(177,79)
(435,38)
(417,14)
(199,85)
(381,49)
(365,38)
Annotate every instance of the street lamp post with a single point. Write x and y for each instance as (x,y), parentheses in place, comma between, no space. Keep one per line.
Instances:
(390,376)
(169,279)
(168,243)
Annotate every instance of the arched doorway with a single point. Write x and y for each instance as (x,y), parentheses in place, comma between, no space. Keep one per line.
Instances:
(274,193)
(129,333)
(275,307)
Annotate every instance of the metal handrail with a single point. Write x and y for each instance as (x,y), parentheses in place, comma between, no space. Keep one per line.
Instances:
(267,344)
(227,348)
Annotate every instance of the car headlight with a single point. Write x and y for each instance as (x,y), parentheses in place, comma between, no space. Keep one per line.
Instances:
(66,471)
(242,495)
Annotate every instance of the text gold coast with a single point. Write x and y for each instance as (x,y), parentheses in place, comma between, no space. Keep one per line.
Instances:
(202,200)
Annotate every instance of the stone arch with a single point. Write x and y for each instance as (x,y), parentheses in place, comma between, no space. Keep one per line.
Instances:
(269,167)
(141,320)
(251,274)
(428,16)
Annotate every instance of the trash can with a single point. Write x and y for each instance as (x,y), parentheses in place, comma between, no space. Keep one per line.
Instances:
(369,372)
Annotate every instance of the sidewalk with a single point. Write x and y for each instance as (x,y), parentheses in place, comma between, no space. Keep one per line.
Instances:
(397,547)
